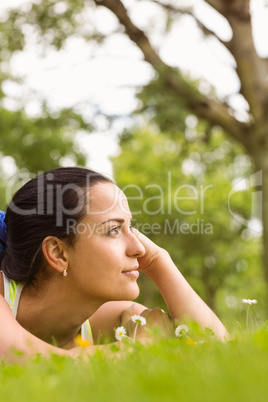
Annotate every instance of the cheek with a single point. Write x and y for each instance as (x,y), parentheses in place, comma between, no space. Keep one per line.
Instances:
(98,255)
(104,248)
(97,259)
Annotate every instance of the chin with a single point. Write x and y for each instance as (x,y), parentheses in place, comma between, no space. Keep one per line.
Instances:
(134,293)
(129,294)
(133,296)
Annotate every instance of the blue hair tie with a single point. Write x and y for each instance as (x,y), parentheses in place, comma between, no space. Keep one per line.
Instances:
(3,232)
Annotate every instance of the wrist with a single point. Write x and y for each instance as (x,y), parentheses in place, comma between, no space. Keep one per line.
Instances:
(159,264)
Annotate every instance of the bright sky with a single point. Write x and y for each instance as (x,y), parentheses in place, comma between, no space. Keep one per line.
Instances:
(92,77)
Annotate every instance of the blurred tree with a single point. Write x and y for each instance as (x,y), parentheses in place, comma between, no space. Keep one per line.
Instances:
(170,92)
(252,71)
(179,199)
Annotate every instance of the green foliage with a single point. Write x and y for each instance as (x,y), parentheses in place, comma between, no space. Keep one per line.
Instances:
(178,193)
(39,143)
(44,142)
(160,99)
(155,101)
(53,23)
(166,370)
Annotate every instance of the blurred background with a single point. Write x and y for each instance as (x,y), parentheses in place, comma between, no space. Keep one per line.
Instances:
(167,95)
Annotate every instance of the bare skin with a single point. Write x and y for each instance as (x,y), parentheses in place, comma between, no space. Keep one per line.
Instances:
(102,265)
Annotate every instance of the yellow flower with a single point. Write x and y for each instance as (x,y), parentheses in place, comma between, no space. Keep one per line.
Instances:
(81,342)
(190,342)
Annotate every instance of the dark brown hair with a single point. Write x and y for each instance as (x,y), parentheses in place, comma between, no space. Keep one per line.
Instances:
(42,208)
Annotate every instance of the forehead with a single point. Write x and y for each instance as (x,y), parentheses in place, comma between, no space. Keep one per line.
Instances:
(106,200)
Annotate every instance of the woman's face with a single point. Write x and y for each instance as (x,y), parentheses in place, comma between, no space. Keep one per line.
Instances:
(103,261)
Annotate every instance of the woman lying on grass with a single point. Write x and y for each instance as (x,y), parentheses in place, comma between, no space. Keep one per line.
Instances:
(69,264)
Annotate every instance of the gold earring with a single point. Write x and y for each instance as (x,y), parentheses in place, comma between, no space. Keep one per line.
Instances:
(64,272)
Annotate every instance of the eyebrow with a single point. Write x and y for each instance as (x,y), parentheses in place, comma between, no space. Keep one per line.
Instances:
(119,220)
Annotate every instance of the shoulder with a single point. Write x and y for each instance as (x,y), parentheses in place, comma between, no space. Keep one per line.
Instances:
(8,325)
(104,321)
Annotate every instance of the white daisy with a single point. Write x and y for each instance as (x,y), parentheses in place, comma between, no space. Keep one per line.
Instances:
(181,330)
(120,333)
(138,319)
(249,301)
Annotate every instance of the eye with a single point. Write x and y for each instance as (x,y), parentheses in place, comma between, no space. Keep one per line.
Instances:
(114,231)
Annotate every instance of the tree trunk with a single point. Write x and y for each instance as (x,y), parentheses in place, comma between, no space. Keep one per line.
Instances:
(260,157)
(265,219)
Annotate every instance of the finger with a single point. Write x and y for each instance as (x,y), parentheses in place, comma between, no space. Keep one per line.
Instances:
(158,316)
(138,234)
(125,316)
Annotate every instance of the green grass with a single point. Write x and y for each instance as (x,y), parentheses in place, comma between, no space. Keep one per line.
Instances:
(166,370)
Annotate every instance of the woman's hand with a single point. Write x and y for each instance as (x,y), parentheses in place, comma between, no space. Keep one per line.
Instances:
(152,253)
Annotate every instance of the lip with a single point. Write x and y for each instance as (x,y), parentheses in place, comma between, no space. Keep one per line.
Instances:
(132,273)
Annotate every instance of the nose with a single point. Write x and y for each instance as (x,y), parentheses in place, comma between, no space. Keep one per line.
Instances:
(134,247)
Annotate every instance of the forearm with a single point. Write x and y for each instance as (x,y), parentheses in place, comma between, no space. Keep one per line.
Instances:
(181,300)
(25,346)
(18,345)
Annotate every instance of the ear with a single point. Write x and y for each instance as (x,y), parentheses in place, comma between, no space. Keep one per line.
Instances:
(55,253)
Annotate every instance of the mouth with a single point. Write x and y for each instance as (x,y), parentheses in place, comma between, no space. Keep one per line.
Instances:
(132,273)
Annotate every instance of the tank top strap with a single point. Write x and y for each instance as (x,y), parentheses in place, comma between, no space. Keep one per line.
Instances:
(86,332)
(12,292)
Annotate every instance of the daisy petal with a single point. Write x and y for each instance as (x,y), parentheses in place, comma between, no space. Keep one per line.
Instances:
(138,319)
(181,330)
(120,333)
